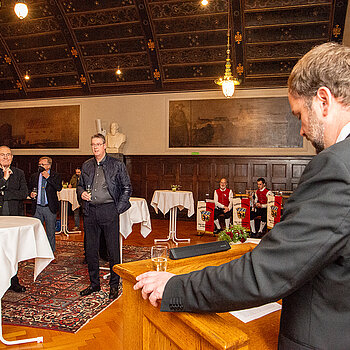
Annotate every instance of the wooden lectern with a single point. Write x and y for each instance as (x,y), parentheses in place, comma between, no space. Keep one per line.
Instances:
(145,327)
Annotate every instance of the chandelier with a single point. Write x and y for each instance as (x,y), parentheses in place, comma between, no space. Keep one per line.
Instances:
(228,82)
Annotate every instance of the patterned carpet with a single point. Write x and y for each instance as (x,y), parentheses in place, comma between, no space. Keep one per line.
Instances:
(53,301)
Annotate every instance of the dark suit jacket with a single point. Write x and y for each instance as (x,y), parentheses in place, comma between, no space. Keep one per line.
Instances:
(15,189)
(305,260)
(54,184)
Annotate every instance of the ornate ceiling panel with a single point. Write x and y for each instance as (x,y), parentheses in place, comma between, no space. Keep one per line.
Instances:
(74,47)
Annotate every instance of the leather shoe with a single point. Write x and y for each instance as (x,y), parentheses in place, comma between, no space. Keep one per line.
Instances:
(113,293)
(18,288)
(89,290)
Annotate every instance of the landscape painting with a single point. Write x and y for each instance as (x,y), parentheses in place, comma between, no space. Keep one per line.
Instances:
(40,127)
(265,122)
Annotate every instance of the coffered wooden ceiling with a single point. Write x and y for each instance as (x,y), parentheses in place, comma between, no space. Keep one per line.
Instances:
(73,47)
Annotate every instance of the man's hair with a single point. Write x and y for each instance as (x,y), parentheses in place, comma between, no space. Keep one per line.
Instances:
(325,65)
(49,160)
(261,179)
(99,136)
(1,146)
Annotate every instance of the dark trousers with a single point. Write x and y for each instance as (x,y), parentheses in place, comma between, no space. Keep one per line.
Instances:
(259,212)
(218,211)
(102,219)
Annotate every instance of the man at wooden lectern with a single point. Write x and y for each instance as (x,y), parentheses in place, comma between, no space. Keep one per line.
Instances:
(305,259)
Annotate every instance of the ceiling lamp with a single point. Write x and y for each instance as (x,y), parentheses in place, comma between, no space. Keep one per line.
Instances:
(228,82)
(21,9)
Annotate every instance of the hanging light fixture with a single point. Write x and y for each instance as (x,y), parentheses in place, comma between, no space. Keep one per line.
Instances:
(21,9)
(228,82)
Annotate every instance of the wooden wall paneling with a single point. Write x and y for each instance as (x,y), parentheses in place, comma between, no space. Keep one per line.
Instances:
(199,174)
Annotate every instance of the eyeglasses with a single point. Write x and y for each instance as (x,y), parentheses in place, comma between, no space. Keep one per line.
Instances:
(5,155)
(97,144)
(42,164)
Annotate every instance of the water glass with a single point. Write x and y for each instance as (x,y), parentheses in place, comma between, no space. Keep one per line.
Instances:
(159,257)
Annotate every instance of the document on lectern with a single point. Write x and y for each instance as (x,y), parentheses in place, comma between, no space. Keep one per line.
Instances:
(253,313)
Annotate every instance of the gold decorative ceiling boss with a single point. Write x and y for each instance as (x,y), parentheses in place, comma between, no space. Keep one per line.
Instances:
(151,45)
(7,59)
(82,79)
(336,31)
(239,69)
(156,74)
(238,38)
(19,85)
(74,52)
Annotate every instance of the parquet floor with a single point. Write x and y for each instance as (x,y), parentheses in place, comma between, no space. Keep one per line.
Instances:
(105,330)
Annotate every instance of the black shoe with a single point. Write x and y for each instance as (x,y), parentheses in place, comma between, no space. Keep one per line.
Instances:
(89,290)
(18,288)
(113,293)
(216,231)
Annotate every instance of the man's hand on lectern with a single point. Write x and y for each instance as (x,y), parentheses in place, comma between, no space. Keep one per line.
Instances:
(152,284)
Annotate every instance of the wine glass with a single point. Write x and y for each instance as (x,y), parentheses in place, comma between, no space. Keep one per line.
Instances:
(35,191)
(159,257)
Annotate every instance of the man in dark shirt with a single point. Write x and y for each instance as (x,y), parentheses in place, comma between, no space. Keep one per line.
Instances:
(104,188)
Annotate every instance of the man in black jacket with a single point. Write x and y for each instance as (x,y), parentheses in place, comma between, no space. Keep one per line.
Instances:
(13,190)
(304,259)
(104,188)
(44,185)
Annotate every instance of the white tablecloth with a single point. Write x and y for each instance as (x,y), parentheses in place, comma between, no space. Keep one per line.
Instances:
(69,195)
(137,213)
(21,238)
(164,200)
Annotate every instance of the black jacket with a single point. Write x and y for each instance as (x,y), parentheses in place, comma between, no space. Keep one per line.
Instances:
(304,259)
(117,179)
(15,190)
(54,184)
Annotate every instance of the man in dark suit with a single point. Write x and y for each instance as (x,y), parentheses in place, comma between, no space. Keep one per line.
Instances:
(44,185)
(13,190)
(305,259)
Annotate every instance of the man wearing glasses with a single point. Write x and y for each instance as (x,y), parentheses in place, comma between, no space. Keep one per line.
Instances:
(44,185)
(13,190)
(104,188)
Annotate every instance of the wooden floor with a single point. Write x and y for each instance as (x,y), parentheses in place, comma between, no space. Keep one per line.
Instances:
(105,330)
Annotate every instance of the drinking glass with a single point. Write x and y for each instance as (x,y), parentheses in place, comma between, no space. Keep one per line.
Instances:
(159,257)
(88,189)
(35,191)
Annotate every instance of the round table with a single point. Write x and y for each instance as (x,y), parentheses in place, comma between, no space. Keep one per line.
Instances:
(167,200)
(67,195)
(21,238)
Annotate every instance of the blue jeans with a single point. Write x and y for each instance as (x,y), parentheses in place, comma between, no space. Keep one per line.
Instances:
(45,215)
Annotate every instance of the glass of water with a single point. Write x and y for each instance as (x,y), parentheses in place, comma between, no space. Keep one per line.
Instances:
(159,257)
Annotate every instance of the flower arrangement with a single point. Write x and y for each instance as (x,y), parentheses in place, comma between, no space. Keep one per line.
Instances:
(234,234)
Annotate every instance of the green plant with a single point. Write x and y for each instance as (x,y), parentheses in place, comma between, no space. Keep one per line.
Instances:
(234,233)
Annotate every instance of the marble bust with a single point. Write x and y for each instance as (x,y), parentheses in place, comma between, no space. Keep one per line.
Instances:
(115,139)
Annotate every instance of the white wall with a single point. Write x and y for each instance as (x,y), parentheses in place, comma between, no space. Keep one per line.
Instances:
(143,118)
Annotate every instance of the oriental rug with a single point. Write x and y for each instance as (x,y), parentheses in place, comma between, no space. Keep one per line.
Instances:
(53,300)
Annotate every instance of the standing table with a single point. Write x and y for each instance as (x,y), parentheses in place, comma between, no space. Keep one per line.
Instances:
(167,200)
(67,195)
(21,238)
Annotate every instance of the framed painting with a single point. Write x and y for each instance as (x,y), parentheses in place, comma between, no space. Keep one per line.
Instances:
(40,127)
(259,122)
